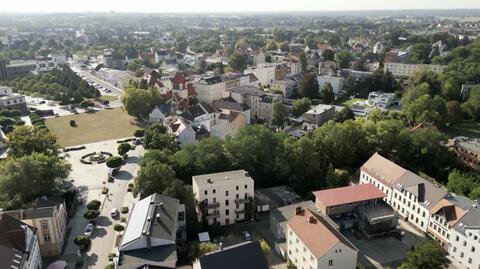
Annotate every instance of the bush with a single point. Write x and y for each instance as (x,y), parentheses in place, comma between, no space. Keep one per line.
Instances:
(123,148)
(123,219)
(86,103)
(110,265)
(91,214)
(114,161)
(124,210)
(104,190)
(118,227)
(73,123)
(94,205)
(83,242)
(139,132)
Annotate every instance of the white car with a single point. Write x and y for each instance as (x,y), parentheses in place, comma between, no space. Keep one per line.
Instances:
(88,230)
(114,213)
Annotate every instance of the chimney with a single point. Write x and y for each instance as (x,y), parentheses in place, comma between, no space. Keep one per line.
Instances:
(421,192)
(312,219)
(246,174)
(298,210)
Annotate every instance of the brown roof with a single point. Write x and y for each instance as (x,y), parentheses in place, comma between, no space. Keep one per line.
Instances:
(383,169)
(178,79)
(190,90)
(317,235)
(12,241)
(350,194)
(451,212)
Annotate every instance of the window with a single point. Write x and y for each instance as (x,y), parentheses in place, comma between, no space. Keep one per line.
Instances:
(461,254)
(237,196)
(330,262)
(226,193)
(227,212)
(46,237)
(457,238)
(206,192)
(227,202)
(454,249)
(473,249)
(44,225)
(236,188)
(214,191)
(464,243)
(469,260)
(246,186)
(246,195)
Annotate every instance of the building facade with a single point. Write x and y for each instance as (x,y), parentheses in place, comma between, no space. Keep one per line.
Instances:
(224,198)
(467,151)
(409,70)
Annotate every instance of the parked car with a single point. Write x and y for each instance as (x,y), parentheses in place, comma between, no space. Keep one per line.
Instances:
(246,236)
(114,213)
(88,229)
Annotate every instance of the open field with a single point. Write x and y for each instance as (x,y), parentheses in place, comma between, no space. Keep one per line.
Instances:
(109,98)
(92,127)
(465,128)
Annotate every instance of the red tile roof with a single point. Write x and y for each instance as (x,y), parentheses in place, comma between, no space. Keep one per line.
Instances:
(191,90)
(350,194)
(178,79)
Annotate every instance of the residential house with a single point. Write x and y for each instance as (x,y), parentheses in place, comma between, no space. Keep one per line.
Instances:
(223,197)
(156,116)
(155,231)
(48,215)
(313,243)
(336,82)
(400,70)
(113,59)
(228,124)
(239,256)
(201,114)
(467,151)
(20,68)
(381,99)
(18,244)
(183,132)
(11,100)
(378,48)
(465,240)
(317,116)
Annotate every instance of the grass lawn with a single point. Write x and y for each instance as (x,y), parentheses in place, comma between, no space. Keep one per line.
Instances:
(92,127)
(465,128)
(109,98)
(350,102)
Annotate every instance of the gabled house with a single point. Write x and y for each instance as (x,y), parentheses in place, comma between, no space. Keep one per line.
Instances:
(183,132)
(239,256)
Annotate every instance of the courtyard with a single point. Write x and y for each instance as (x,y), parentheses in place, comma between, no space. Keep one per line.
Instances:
(92,127)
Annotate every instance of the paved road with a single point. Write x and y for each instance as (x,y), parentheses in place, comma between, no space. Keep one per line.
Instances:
(90,179)
(115,90)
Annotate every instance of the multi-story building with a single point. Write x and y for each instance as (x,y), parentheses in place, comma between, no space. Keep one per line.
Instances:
(381,99)
(18,244)
(213,88)
(317,116)
(49,217)
(20,68)
(225,197)
(409,70)
(239,256)
(11,100)
(336,82)
(467,151)
(412,196)
(155,231)
(465,240)
(313,243)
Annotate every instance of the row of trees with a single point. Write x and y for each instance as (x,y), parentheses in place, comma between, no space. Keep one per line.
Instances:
(60,85)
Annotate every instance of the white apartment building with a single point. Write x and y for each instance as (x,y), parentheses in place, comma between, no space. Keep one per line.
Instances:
(409,70)
(412,196)
(381,99)
(312,243)
(265,73)
(336,82)
(222,197)
(465,240)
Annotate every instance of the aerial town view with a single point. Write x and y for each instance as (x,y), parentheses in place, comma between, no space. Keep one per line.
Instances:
(208,134)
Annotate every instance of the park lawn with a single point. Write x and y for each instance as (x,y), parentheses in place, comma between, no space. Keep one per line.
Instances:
(464,128)
(92,127)
(350,102)
(109,98)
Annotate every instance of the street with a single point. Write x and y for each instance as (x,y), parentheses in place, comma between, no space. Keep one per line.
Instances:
(90,179)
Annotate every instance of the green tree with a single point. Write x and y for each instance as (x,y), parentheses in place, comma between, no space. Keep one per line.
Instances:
(238,61)
(279,114)
(463,183)
(139,103)
(24,140)
(91,214)
(327,93)
(328,55)
(156,137)
(303,61)
(265,247)
(82,242)
(153,177)
(290,265)
(419,53)
(123,148)
(344,115)
(118,227)
(284,46)
(336,177)
(472,105)
(301,106)
(454,112)
(114,162)
(343,59)
(94,205)
(271,46)
(308,86)
(19,175)
(427,255)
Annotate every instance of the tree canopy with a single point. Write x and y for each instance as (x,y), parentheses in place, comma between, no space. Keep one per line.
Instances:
(25,140)
(427,255)
(301,106)
(139,102)
(308,86)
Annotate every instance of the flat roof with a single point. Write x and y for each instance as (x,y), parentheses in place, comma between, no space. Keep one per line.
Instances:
(349,194)
(276,196)
(222,177)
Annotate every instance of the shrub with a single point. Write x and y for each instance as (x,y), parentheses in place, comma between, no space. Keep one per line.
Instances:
(94,205)
(114,161)
(139,132)
(118,227)
(110,265)
(104,190)
(83,242)
(123,219)
(73,123)
(123,148)
(86,103)
(124,210)
(91,214)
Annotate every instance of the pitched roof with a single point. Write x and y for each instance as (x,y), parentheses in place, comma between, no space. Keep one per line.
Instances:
(13,241)
(316,233)
(178,78)
(349,194)
(230,104)
(191,90)
(470,220)
(383,169)
(452,207)
(428,194)
(240,256)
(42,207)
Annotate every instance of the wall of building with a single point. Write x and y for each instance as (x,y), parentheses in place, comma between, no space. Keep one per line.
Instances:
(464,249)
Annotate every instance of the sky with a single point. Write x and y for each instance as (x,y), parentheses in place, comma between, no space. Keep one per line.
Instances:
(181,6)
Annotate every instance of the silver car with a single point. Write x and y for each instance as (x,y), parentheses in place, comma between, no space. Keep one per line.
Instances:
(88,230)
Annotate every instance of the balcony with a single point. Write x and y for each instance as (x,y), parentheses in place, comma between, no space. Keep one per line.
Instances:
(242,201)
(211,205)
(240,211)
(212,215)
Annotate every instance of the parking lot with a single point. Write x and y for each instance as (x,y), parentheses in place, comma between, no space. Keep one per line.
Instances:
(90,179)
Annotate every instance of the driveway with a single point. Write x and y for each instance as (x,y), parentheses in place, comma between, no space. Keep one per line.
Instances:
(90,179)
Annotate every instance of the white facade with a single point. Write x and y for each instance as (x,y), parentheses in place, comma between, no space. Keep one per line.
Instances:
(265,73)
(222,196)
(336,82)
(381,99)
(209,92)
(34,260)
(156,116)
(465,247)
(409,70)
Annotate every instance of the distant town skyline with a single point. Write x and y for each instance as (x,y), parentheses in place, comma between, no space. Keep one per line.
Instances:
(204,6)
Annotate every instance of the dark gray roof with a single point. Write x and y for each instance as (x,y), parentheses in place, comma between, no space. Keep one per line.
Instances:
(240,256)
(230,104)
(207,107)
(156,257)
(39,208)
(192,112)
(12,241)
(471,219)
(411,182)
(213,80)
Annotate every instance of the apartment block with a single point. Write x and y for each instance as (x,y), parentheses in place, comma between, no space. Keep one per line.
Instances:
(223,198)
(409,70)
